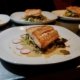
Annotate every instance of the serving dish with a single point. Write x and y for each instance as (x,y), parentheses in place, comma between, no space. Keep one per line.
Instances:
(4,19)
(60,13)
(8,54)
(24,65)
(18,17)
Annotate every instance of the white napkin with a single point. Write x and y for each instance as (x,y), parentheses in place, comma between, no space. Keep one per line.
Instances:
(6,75)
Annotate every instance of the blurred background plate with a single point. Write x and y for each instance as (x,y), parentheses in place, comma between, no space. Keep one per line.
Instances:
(4,19)
(60,13)
(18,17)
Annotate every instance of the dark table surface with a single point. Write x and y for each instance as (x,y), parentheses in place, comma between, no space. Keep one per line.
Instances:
(71,71)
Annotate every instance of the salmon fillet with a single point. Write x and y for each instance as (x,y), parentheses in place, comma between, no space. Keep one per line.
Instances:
(43,35)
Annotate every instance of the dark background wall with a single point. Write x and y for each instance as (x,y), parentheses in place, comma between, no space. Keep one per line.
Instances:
(62,4)
(10,6)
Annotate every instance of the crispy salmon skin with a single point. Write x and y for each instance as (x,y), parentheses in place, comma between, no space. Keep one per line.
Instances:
(43,35)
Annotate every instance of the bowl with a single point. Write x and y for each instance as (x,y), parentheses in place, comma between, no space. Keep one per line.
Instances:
(4,19)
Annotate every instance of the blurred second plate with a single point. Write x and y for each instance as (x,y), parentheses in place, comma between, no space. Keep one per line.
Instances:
(18,17)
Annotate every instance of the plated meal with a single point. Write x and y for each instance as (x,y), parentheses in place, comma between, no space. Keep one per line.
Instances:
(33,16)
(4,19)
(70,13)
(41,40)
(38,44)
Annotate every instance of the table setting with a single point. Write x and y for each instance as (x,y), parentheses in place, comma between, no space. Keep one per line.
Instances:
(16,64)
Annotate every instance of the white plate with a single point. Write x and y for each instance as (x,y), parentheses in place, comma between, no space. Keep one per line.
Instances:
(4,19)
(61,13)
(8,54)
(17,17)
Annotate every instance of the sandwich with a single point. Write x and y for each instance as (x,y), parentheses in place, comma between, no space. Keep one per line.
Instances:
(72,11)
(34,15)
(33,12)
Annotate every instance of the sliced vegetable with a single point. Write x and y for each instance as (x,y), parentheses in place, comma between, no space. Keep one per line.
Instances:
(25,51)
